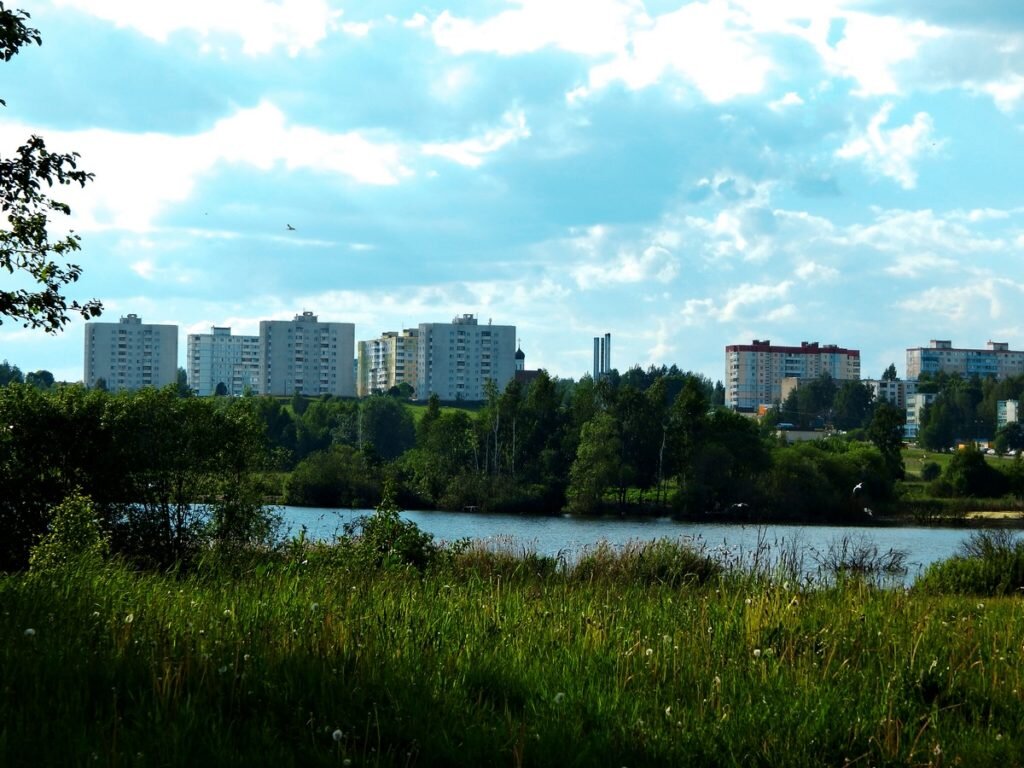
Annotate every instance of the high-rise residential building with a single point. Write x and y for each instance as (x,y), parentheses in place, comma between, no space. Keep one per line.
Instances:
(129,354)
(996,359)
(895,391)
(456,359)
(218,361)
(916,404)
(306,356)
(754,372)
(387,361)
(1007,412)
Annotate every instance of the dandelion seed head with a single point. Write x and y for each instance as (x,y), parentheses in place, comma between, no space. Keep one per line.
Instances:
(30,632)
(337,735)
(649,651)
(129,618)
(757,653)
(559,697)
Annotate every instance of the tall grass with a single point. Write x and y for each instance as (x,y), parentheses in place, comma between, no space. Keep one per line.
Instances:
(302,658)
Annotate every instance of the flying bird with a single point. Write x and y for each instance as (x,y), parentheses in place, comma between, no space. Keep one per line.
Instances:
(858,488)
(290,227)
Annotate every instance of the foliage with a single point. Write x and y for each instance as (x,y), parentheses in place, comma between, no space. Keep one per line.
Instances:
(336,477)
(75,536)
(596,466)
(969,474)
(886,433)
(26,248)
(386,540)
(990,563)
(930,470)
(665,562)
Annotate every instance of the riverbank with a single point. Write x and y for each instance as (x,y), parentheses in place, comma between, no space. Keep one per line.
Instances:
(307,657)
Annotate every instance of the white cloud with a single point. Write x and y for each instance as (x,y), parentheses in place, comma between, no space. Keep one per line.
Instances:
(262,25)
(587,27)
(735,300)
(357,28)
(653,263)
(891,152)
(910,232)
(707,45)
(813,272)
(916,265)
(871,47)
(990,297)
(1006,93)
(140,175)
(416,21)
(791,99)
(471,152)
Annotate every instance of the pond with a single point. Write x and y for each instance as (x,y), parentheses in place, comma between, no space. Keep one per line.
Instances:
(567,537)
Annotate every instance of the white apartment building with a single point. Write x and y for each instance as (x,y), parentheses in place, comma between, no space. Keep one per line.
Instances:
(1007,412)
(130,355)
(754,372)
(455,360)
(996,359)
(218,358)
(387,361)
(916,404)
(306,356)
(895,391)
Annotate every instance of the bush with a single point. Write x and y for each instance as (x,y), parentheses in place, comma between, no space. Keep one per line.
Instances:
(930,470)
(989,563)
(74,535)
(654,562)
(385,540)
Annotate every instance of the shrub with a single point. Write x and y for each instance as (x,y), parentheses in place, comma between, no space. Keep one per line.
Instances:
(74,535)
(654,562)
(930,470)
(989,563)
(386,540)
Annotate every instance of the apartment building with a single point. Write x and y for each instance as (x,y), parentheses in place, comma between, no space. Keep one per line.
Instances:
(916,404)
(387,361)
(130,354)
(307,356)
(219,360)
(754,372)
(456,359)
(1007,412)
(895,391)
(996,359)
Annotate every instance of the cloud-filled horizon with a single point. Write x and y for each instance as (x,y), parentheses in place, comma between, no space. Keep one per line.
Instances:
(684,176)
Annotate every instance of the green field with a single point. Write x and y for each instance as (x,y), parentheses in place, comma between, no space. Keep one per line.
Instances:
(303,658)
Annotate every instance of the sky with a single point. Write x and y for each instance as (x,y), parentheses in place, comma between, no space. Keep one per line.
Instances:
(684,176)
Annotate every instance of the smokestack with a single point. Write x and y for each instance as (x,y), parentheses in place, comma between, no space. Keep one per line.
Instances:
(597,358)
(607,353)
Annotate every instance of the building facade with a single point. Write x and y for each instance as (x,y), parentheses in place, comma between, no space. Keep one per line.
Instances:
(306,356)
(916,404)
(455,360)
(220,361)
(895,391)
(754,372)
(130,355)
(387,361)
(1007,412)
(996,359)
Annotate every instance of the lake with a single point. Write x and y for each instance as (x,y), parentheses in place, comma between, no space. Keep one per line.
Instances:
(567,537)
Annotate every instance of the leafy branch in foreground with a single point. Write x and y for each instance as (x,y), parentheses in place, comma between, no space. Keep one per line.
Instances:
(26,249)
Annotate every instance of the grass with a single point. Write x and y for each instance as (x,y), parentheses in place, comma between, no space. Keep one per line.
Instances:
(493,659)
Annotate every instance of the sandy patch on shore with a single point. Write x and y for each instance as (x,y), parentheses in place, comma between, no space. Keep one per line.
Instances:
(1009,514)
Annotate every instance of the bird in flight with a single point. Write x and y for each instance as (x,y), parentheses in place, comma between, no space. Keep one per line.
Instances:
(290,227)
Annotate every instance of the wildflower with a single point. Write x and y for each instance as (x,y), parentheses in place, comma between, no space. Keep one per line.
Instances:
(981,606)
(649,651)
(757,653)
(246,657)
(30,632)
(129,618)
(559,697)
(747,601)
(337,735)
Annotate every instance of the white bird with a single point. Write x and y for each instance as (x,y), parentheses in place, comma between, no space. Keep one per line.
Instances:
(858,488)
(868,512)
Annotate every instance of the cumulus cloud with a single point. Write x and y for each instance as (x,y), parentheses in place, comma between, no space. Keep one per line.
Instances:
(471,152)
(813,272)
(263,26)
(734,300)
(653,263)
(891,152)
(791,99)
(989,297)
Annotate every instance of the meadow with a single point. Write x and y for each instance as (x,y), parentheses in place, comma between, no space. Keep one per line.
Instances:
(657,655)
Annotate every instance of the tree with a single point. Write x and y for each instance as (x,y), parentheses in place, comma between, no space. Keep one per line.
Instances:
(886,432)
(26,247)
(40,379)
(889,374)
(221,390)
(10,374)
(596,466)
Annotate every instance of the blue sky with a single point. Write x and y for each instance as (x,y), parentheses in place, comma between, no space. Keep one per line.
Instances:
(682,175)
